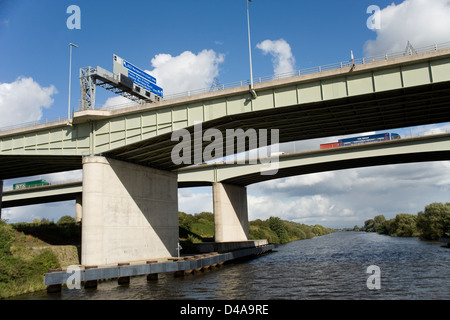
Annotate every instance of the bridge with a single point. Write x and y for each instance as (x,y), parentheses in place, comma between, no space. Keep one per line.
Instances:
(130,182)
(223,177)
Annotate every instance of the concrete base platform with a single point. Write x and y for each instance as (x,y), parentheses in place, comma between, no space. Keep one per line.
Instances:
(89,275)
(228,246)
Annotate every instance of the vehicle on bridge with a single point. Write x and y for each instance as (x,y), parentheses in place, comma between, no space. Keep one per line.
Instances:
(361,140)
(30,184)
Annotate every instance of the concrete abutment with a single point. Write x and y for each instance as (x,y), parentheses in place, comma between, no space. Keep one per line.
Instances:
(130,212)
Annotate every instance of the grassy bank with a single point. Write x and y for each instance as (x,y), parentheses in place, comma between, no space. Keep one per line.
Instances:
(22,267)
(28,250)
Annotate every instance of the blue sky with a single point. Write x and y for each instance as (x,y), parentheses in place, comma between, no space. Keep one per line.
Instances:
(35,38)
(186,44)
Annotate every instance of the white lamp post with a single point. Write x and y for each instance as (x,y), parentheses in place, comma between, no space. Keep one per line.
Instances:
(70,75)
(249,46)
(253,93)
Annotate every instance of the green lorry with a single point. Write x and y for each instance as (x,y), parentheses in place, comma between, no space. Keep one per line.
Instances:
(30,184)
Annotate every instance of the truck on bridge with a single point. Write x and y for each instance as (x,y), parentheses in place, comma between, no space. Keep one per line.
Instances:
(361,140)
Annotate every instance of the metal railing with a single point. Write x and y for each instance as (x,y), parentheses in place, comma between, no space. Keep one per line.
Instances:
(33,123)
(318,69)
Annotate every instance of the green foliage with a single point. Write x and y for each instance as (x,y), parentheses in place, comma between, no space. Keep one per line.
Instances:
(7,237)
(280,231)
(403,225)
(60,233)
(259,229)
(431,224)
(45,261)
(18,274)
(434,221)
(66,219)
(372,225)
(277,226)
(201,226)
(369,226)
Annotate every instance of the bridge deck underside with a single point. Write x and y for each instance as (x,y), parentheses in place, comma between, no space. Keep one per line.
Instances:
(40,200)
(406,107)
(246,180)
(25,166)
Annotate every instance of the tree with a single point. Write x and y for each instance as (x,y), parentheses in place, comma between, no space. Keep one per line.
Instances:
(66,219)
(434,221)
(404,225)
(277,225)
(369,225)
(385,227)
(372,225)
(378,221)
(45,221)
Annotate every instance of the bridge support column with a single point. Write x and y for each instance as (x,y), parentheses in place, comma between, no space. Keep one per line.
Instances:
(130,212)
(1,197)
(78,208)
(230,212)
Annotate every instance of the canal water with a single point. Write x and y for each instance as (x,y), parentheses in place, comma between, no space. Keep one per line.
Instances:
(333,266)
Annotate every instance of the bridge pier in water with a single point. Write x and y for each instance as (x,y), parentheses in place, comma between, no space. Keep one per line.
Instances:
(130,212)
(230,212)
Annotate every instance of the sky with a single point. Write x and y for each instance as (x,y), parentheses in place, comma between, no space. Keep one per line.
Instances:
(189,45)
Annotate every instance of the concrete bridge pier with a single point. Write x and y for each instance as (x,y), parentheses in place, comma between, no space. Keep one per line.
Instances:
(230,212)
(78,208)
(130,212)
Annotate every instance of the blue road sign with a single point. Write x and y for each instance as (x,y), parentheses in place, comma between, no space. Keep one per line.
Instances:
(138,71)
(140,77)
(145,83)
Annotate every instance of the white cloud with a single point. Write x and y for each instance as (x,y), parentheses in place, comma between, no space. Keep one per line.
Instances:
(118,102)
(282,58)
(195,200)
(347,197)
(421,22)
(187,71)
(22,101)
(64,177)
(315,209)
(51,211)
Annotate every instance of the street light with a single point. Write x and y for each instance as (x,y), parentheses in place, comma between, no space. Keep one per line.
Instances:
(70,75)
(249,46)
(250,52)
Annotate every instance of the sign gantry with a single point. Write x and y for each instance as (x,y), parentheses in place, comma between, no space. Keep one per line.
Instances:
(126,80)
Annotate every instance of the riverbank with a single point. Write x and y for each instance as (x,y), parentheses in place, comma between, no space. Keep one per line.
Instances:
(200,228)
(431,224)
(23,261)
